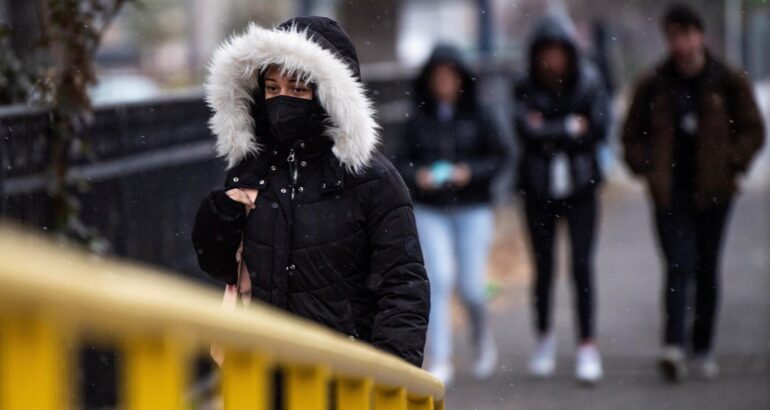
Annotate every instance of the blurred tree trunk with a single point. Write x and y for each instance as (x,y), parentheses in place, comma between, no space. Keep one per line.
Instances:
(375,35)
(73,33)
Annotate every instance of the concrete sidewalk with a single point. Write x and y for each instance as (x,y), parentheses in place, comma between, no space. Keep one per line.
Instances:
(629,283)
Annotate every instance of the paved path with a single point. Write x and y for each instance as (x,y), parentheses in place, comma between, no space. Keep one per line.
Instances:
(629,281)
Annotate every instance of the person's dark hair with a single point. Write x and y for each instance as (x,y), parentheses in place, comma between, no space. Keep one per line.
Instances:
(683,16)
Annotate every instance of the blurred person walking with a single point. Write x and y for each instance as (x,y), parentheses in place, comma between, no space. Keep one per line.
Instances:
(561,117)
(453,152)
(691,131)
(329,233)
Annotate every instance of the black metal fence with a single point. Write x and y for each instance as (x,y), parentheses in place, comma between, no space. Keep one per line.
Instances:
(151,164)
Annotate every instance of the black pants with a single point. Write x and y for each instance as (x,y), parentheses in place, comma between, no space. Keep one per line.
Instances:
(691,241)
(542,216)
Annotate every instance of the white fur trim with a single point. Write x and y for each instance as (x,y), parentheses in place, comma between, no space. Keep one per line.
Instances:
(233,78)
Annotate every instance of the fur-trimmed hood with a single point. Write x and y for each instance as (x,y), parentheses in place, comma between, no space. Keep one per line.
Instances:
(316,49)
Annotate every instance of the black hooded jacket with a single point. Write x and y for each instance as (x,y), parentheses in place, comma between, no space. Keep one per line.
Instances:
(584,94)
(338,243)
(469,136)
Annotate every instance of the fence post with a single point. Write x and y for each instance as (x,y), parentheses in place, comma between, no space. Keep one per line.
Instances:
(34,353)
(354,394)
(246,382)
(155,372)
(307,388)
(390,399)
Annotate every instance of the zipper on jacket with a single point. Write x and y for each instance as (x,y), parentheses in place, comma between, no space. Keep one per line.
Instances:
(293,171)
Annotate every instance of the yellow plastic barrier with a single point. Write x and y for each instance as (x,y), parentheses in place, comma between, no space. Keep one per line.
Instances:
(53,296)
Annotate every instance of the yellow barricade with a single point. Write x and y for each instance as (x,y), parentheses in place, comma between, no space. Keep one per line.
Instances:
(53,297)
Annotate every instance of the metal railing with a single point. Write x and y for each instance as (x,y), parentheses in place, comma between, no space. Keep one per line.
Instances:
(53,297)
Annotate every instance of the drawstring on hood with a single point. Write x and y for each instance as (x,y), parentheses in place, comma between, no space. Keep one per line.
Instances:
(315,49)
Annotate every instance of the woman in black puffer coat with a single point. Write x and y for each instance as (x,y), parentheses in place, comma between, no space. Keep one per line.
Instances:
(331,236)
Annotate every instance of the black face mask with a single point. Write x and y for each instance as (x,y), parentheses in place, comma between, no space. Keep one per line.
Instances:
(292,119)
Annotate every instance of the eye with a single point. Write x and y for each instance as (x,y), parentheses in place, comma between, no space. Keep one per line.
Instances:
(272,89)
(300,90)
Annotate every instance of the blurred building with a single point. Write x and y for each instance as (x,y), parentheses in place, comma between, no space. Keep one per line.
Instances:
(170,41)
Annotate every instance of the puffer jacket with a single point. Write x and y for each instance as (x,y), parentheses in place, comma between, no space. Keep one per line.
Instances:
(584,94)
(332,237)
(469,136)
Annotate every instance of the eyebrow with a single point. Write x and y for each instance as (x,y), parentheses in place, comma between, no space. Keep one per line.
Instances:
(291,80)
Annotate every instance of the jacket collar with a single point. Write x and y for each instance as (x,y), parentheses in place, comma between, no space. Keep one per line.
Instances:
(712,69)
(254,172)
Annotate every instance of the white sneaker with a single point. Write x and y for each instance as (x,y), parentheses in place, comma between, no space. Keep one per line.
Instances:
(672,364)
(486,357)
(705,367)
(543,360)
(588,364)
(443,371)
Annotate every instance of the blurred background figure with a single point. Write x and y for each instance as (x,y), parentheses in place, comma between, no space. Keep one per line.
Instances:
(452,153)
(692,130)
(561,117)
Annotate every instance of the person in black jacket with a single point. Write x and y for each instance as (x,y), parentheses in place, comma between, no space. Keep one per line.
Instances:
(331,235)
(452,153)
(692,130)
(560,118)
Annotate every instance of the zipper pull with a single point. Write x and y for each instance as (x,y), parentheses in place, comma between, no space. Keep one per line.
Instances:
(293,171)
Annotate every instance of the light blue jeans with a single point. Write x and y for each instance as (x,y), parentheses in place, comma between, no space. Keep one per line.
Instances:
(455,244)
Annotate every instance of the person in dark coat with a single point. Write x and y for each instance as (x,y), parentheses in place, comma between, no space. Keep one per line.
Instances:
(561,116)
(692,130)
(452,152)
(331,235)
